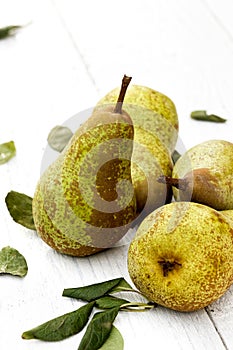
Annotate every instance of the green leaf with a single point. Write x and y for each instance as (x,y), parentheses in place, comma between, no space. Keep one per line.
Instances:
(115,341)
(98,330)
(7,151)
(108,302)
(63,326)
(59,137)
(202,115)
(122,286)
(175,156)
(93,291)
(19,206)
(12,262)
(9,31)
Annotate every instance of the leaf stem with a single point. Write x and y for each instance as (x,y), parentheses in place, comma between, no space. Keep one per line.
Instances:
(139,306)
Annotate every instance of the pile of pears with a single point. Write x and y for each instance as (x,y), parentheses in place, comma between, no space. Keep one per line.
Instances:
(117,172)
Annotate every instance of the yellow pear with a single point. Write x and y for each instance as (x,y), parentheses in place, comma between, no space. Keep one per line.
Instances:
(155,134)
(204,174)
(85,202)
(151,110)
(182,256)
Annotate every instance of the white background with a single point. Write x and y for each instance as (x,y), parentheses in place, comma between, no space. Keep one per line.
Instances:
(69,55)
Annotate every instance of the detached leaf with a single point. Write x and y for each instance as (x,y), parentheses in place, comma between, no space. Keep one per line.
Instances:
(20,209)
(122,286)
(202,115)
(98,330)
(115,341)
(12,262)
(93,291)
(61,327)
(175,156)
(108,302)
(59,137)
(7,31)
(7,151)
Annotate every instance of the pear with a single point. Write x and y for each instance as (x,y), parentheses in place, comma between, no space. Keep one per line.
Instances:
(84,201)
(182,256)
(204,174)
(150,159)
(155,134)
(149,109)
(229,215)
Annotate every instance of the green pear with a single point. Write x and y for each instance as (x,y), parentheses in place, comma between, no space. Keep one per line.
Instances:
(84,202)
(182,256)
(150,159)
(150,109)
(155,134)
(204,174)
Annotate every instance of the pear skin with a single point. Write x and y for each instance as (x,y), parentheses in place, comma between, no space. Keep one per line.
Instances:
(207,171)
(85,202)
(150,159)
(228,214)
(155,134)
(182,256)
(149,107)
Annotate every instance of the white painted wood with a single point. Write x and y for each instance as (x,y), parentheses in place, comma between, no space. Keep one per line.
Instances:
(71,54)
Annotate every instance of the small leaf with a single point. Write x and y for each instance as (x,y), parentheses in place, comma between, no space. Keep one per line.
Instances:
(175,156)
(12,262)
(63,326)
(9,31)
(98,330)
(115,341)
(93,291)
(7,151)
(59,137)
(122,286)
(108,302)
(202,115)
(19,206)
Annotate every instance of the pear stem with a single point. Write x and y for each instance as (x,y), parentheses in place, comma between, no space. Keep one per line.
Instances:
(180,184)
(125,83)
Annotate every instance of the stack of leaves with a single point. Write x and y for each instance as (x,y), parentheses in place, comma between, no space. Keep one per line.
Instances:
(100,332)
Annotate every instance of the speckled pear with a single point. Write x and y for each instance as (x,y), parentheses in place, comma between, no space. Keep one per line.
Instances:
(85,202)
(182,256)
(205,174)
(229,215)
(151,109)
(155,134)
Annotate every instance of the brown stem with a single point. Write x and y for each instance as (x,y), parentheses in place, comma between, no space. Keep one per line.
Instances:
(180,184)
(125,83)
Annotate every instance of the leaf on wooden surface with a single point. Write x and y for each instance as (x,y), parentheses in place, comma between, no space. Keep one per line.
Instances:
(122,286)
(202,115)
(12,262)
(93,291)
(108,302)
(58,137)
(7,151)
(8,31)
(98,330)
(63,326)
(19,206)
(115,341)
